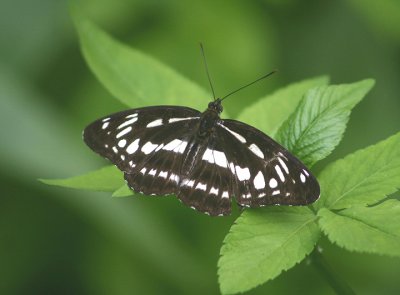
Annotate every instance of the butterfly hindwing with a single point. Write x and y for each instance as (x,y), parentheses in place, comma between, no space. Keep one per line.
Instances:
(207,187)
(159,162)
(265,172)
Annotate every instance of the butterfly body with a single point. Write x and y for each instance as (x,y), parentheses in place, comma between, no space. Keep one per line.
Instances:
(202,159)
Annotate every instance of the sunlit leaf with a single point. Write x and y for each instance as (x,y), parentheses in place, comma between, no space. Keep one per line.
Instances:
(364,177)
(318,123)
(108,178)
(269,112)
(123,191)
(133,77)
(263,243)
(365,229)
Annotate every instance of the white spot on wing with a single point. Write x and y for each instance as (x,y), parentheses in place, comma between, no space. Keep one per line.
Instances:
(220,159)
(282,155)
(105,125)
(181,148)
(208,156)
(279,172)
(172,120)
(246,196)
(132,115)
(232,166)
(273,183)
(262,195)
(242,173)
(259,182)
(188,183)
(201,186)
(305,172)
(128,122)
(235,134)
(225,195)
(123,132)
(159,147)
(276,192)
(172,145)
(154,123)
(256,150)
(122,157)
(106,119)
(114,148)
(132,164)
(148,147)
(133,146)
(143,171)
(214,191)
(174,177)
(302,178)
(163,174)
(153,172)
(122,143)
(283,164)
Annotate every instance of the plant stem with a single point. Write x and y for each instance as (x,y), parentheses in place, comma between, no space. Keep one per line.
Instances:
(336,282)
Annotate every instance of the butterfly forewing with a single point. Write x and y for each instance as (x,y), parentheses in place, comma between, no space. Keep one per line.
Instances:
(147,144)
(265,173)
(128,138)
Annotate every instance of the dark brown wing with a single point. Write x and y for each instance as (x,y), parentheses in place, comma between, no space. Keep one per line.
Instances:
(208,186)
(265,173)
(147,144)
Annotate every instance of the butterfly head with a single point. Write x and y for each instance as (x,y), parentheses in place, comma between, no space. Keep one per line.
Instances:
(216,106)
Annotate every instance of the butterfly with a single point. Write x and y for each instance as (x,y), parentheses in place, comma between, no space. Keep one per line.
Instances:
(204,160)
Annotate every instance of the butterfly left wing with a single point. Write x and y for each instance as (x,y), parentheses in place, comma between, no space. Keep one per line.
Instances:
(265,173)
(147,144)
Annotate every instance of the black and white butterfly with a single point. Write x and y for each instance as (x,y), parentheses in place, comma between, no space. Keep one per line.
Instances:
(202,159)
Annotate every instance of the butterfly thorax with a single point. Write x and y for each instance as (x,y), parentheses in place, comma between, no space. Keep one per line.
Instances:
(209,118)
(197,145)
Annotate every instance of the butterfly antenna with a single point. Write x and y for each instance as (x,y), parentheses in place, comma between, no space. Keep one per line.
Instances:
(208,73)
(247,85)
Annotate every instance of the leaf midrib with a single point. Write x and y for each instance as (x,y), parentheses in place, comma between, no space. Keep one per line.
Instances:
(358,184)
(373,227)
(312,122)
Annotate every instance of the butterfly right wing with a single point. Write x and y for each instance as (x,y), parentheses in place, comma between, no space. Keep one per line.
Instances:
(265,172)
(147,144)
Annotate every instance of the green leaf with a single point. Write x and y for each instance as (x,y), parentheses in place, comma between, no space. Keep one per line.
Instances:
(108,178)
(365,229)
(131,76)
(277,106)
(318,123)
(123,191)
(263,243)
(362,178)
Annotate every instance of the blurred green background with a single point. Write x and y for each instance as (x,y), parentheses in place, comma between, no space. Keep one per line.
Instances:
(59,241)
